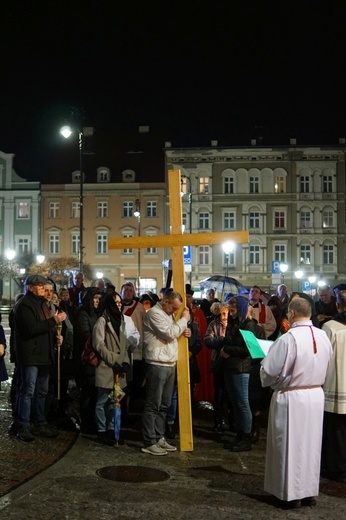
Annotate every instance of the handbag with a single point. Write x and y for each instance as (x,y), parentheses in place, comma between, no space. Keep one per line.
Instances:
(89,356)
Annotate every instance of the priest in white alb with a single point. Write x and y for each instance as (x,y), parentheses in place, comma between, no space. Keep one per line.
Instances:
(296,368)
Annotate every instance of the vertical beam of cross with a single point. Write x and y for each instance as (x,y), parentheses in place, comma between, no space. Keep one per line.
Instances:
(184,396)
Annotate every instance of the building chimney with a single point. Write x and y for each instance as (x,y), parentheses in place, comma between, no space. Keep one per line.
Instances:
(253,142)
(293,140)
(214,143)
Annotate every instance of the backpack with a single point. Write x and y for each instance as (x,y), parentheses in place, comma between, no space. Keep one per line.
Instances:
(89,356)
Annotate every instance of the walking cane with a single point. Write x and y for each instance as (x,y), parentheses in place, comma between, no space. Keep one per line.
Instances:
(58,329)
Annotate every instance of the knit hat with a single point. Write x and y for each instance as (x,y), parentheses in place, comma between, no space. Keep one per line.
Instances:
(242,306)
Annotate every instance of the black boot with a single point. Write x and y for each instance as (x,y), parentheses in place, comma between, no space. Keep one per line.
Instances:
(237,439)
(255,434)
(244,444)
(170,431)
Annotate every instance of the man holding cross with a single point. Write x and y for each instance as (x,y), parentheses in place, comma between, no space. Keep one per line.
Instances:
(160,352)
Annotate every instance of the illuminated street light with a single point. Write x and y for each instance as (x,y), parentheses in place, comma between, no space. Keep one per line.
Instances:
(228,248)
(137,214)
(186,190)
(283,269)
(299,275)
(67,131)
(10,254)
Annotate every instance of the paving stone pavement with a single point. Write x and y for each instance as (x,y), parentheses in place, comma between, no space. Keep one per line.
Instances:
(208,483)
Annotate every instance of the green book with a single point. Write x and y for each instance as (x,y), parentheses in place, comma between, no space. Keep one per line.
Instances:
(258,348)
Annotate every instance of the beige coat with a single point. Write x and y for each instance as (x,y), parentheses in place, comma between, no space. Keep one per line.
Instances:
(112,349)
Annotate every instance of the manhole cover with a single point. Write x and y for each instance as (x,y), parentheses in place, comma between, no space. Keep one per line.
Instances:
(132,474)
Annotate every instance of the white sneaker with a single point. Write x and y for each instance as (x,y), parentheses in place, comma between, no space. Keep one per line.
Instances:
(165,445)
(155,449)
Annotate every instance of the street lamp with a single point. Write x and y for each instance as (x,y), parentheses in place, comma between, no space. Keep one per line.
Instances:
(228,247)
(186,190)
(66,131)
(299,274)
(283,269)
(40,259)
(312,280)
(137,214)
(10,254)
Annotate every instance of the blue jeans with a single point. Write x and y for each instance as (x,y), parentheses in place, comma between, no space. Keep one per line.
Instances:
(104,410)
(159,390)
(32,394)
(237,386)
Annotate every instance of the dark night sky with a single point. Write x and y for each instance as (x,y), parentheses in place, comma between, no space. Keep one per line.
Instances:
(192,70)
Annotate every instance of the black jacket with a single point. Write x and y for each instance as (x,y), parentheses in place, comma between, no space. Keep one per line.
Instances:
(34,331)
(240,360)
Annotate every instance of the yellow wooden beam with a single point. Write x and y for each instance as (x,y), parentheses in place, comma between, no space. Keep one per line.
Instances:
(176,240)
(183,366)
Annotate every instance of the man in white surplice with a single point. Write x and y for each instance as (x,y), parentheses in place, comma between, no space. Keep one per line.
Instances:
(296,368)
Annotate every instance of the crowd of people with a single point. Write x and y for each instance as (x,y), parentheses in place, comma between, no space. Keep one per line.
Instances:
(302,379)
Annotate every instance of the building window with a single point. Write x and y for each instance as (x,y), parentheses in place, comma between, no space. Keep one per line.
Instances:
(328,254)
(280,253)
(127,209)
(101,244)
(254,220)
(203,185)
(23,210)
(279,184)
(54,244)
(327,184)
(75,244)
(328,219)
(23,245)
(203,219)
(54,210)
(204,255)
(151,208)
(228,185)
(254,184)
(305,219)
(128,251)
(254,255)
(102,209)
(151,250)
(184,220)
(304,184)
(279,219)
(305,254)
(75,210)
(229,220)
(184,185)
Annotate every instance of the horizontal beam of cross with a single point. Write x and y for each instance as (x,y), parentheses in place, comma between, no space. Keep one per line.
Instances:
(197,239)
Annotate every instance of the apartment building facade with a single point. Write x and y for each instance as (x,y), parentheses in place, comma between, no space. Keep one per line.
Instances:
(20,222)
(290,199)
(110,210)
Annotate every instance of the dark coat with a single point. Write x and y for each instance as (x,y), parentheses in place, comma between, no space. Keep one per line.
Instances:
(240,360)
(34,331)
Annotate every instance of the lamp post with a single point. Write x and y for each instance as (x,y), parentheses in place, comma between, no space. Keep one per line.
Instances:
(66,131)
(137,214)
(10,254)
(40,259)
(312,280)
(189,193)
(283,269)
(299,275)
(228,247)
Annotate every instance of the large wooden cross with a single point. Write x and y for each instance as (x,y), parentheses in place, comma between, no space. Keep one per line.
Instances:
(177,240)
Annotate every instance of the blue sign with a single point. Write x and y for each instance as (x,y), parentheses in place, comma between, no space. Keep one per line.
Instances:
(187,255)
(306,285)
(276,267)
